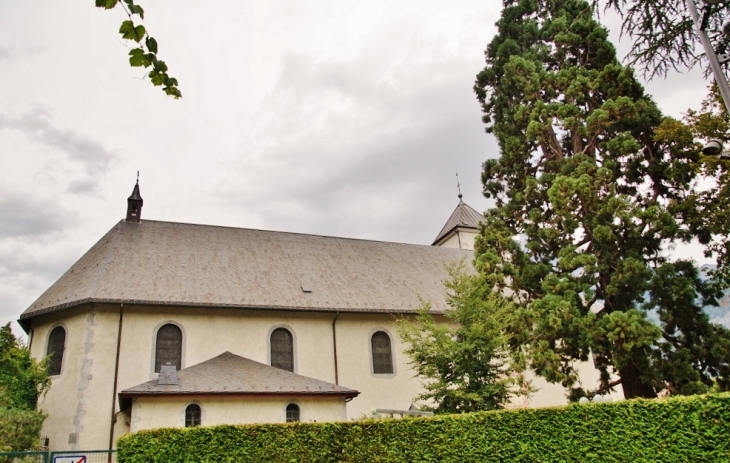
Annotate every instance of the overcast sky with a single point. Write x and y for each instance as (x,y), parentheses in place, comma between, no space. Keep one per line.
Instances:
(344,118)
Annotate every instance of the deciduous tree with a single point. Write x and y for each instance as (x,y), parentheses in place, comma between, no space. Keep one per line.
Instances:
(22,382)
(465,363)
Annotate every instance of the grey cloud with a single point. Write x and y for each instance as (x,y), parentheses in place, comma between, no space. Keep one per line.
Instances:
(90,153)
(4,53)
(434,131)
(409,167)
(25,217)
(37,265)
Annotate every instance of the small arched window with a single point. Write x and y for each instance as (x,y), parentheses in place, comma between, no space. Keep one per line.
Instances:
(168,347)
(292,413)
(382,353)
(192,415)
(282,349)
(56,345)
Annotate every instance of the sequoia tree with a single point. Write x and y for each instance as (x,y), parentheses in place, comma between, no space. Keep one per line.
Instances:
(591,192)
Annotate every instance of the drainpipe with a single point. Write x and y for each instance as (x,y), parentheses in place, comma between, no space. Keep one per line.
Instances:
(334,344)
(116,376)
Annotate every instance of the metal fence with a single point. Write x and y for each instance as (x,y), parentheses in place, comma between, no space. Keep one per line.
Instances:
(78,456)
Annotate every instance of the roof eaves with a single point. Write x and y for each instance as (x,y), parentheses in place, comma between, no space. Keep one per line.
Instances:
(349,394)
(24,318)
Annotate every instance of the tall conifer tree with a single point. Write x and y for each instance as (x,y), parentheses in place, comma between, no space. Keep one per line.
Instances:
(590,193)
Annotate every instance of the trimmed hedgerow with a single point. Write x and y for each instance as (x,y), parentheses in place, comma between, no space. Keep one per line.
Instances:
(684,429)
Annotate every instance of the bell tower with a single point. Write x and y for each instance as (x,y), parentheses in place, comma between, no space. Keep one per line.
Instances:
(134,204)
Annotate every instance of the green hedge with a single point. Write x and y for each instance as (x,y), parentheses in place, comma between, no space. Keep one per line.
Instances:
(684,429)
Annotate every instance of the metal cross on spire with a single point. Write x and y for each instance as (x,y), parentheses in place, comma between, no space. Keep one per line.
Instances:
(458,185)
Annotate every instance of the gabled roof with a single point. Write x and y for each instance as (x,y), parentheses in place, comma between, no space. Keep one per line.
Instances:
(464,216)
(165,263)
(230,374)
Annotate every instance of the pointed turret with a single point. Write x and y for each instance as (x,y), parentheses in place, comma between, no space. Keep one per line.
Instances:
(134,204)
(461,228)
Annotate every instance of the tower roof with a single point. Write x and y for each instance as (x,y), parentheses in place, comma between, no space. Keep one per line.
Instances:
(464,216)
(135,193)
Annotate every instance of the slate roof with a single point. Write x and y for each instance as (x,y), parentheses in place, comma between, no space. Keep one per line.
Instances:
(166,263)
(464,216)
(230,374)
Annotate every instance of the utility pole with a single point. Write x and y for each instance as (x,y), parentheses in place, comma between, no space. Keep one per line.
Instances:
(715,61)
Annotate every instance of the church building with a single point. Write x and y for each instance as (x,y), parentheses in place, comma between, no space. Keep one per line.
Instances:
(164,324)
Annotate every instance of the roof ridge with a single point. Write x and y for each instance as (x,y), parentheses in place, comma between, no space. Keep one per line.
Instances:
(287,233)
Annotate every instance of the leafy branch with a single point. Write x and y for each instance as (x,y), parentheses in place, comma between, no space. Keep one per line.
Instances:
(663,34)
(145,54)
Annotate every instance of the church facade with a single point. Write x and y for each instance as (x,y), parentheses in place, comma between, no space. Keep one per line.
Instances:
(165,324)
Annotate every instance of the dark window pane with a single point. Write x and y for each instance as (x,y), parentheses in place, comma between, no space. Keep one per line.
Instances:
(56,343)
(282,349)
(382,355)
(168,347)
(192,415)
(292,413)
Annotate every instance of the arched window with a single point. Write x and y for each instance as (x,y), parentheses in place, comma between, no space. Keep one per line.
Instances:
(56,344)
(282,349)
(382,353)
(168,347)
(292,413)
(192,415)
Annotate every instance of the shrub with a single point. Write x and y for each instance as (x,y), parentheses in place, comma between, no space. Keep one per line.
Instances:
(679,429)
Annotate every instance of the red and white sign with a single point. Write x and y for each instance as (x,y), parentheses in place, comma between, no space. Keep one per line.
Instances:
(70,459)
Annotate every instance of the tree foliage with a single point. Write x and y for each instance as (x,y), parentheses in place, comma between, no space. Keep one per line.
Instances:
(663,35)
(713,200)
(23,381)
(145,52)
(592,188)
(465,363)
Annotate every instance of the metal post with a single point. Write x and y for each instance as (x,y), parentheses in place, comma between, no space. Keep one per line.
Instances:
(711,56)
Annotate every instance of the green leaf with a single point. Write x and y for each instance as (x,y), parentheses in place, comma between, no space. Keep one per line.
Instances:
(155,77)
(106,4)
(126,28)
(151,44)
(161,66)
(139,32)
(136,9)
(137,58)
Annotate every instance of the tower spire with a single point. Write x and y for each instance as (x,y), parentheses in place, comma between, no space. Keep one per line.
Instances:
(134,204)
(458,185)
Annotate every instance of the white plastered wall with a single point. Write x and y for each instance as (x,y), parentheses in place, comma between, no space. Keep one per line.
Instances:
(461,239)
(169,412)
(80,399)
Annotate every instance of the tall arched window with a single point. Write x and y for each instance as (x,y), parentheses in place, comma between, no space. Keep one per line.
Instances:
(282,349)
(168,347)
(292,413)
(56,345)
(192,415)
(382,353)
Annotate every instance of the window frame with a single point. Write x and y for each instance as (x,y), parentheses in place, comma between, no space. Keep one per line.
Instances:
(185,415)
(153,350)
(371,355)
(63,348)
(269,357)
(298,412)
